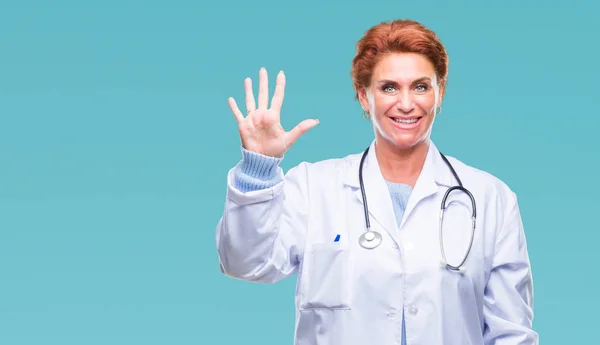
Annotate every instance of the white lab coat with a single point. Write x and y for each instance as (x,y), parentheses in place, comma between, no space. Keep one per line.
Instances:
(347,295)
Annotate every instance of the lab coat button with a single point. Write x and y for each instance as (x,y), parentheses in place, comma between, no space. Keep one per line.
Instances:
(413,310)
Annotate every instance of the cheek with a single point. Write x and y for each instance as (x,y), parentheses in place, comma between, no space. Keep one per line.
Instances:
(426,104)
(383,103)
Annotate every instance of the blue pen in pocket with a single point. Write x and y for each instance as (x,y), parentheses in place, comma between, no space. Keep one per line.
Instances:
(337,238)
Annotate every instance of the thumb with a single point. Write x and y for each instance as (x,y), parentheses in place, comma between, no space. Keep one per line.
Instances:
(300,129)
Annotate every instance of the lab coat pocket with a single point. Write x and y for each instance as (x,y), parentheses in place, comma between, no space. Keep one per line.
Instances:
(327,281)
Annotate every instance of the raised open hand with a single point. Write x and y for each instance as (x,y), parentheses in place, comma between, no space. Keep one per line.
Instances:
(261,130)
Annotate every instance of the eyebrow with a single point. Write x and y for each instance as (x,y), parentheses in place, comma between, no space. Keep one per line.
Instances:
(419,80)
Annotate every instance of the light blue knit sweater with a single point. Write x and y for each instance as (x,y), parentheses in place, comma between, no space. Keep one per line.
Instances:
(256,171)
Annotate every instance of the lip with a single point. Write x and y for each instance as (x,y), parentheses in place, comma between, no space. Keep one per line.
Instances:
(405,126)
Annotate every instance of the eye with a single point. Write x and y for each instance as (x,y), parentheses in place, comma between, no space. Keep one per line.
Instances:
(422,88)
(388,88)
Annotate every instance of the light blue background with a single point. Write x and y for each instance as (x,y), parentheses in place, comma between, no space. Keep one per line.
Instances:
(116,137)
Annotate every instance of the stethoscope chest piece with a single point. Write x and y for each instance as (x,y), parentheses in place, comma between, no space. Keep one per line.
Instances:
(370,239)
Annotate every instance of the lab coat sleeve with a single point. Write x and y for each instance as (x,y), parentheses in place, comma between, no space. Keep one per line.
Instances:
(260,235)
(508,298)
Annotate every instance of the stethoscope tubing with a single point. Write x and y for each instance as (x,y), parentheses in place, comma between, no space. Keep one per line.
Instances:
(460,187)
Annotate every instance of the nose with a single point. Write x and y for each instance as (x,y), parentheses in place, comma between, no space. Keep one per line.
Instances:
(404,103)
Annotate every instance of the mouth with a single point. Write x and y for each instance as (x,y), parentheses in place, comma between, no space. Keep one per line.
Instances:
(406,123)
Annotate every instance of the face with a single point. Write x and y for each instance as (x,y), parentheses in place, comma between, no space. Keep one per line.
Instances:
(402,100)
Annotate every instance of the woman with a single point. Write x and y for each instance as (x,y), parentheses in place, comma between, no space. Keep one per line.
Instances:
(383,284)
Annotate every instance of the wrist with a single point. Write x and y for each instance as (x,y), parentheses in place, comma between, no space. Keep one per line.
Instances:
(258,165)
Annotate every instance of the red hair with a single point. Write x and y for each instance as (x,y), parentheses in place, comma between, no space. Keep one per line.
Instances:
(398,36)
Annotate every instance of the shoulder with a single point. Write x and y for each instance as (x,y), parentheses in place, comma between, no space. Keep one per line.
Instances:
(484,184)
(326,170)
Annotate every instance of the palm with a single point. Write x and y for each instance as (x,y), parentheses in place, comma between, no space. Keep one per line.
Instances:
(261,130)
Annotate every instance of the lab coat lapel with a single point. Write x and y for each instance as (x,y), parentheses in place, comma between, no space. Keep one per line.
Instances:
(379,200)
(433,173)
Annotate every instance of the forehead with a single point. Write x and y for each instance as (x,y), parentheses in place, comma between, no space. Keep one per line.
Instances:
(403,67)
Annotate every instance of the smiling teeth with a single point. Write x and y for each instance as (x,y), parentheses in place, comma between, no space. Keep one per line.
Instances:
(408,122)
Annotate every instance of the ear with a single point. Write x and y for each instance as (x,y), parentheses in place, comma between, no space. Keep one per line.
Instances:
(440,95)
(362,98)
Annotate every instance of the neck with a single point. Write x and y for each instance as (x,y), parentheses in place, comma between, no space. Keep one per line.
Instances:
(401,166)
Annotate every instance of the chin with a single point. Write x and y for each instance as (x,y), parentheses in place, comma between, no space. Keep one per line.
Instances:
(406,143)
(403,144)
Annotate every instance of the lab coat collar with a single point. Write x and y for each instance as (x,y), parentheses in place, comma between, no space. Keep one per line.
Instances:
(434,173)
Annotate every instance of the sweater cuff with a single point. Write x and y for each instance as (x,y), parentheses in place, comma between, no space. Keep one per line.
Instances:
(256,171)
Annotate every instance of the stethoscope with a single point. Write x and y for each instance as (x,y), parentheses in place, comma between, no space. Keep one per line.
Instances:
(372,239)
